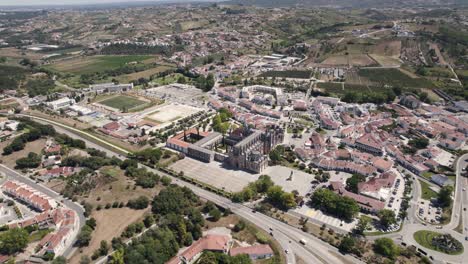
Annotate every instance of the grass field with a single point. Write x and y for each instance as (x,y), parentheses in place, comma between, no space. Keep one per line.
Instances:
(91,64)
(109,224)
(122,102)
(424,238)
(193,24)
(427,193)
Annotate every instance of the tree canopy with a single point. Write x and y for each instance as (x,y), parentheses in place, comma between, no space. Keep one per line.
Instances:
(13,241)
(332,203)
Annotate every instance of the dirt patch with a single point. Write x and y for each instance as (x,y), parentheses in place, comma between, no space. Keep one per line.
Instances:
(386,61)
(19,54)
(120,189)
(390,48)
(110,223)
(10,160)
(435,47)
(351,59)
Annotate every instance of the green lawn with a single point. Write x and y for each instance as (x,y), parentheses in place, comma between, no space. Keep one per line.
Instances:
(424,238)
(427,175)
(38,235)
(426,192)
(122,102)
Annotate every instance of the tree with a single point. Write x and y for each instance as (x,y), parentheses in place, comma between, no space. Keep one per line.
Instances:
(84,237)
(139,203)
(166,180)
(59,260)
(13,241)
(117,257)
(263,183)
(173,199)
(362,225)
(85,259)
(103,248)
(387,217)
(445,196)
(330,202)
(149,220)
(386,247)
(91,222)
(33,160)
(419,143)
(347,244)
(215,214)
(353,181)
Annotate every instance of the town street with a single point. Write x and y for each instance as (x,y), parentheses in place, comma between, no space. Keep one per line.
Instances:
(13,175)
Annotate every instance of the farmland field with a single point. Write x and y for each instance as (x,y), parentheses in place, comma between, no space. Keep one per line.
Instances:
(351,59)
(122,102)
(288,74)
(388,48)
(143,74)
(87,65)
(193,24)
(394,77)
(385,61)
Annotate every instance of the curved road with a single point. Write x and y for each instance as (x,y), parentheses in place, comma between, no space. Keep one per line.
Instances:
(14,175)
(413,224)
(315,250)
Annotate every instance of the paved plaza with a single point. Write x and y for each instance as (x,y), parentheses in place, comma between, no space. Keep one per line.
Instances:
(232,180)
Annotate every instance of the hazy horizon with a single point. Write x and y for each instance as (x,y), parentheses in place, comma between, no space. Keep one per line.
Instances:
(68,2)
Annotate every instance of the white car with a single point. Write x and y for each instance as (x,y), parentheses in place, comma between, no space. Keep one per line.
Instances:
(464,189)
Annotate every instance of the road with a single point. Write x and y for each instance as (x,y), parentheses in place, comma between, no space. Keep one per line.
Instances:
(12,174)
(315,251)
(461,196)
(413,224)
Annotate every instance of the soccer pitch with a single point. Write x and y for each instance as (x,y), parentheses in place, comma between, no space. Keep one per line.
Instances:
(123,102)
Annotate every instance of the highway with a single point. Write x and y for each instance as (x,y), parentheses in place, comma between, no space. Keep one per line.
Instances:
(13,175)
(315,250)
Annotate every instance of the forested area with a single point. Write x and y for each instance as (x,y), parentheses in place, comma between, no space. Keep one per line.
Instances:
(35,132)
(10,77)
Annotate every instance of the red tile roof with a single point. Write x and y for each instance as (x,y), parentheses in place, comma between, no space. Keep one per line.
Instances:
(209,242)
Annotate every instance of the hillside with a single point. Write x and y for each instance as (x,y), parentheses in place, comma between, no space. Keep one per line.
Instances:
(347,3)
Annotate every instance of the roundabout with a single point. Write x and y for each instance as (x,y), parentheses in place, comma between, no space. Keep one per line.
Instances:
(444,243)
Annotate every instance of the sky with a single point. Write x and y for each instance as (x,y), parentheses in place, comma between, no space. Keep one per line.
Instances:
(55,2)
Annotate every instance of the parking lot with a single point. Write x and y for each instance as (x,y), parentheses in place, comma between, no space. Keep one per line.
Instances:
(428,212)
(396,193)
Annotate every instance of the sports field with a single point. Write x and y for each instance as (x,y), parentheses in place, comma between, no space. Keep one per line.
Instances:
(122,102)
(170,113)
